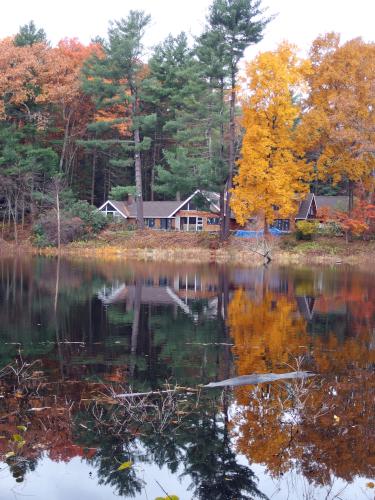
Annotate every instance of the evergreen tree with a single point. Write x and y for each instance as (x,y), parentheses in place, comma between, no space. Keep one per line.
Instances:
(29,34)
(233,25)
(188,119)
(116,82)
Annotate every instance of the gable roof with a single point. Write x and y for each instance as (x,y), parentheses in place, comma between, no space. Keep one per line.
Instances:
(162,209)
(304,207)
(120,206)
(181,204)
(158,209)
(333,202)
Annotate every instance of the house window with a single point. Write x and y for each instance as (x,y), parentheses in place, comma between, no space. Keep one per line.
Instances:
(164,223)
(213,221)
(150,223)
(282,224)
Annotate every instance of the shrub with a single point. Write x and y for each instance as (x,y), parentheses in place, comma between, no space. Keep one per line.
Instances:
(45,231)
(305,230)
(331,228)
(40,240)
(93,220)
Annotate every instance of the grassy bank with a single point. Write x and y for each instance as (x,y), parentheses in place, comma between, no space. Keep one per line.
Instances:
(203,247)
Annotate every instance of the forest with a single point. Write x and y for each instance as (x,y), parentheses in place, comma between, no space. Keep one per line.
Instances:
(82,123)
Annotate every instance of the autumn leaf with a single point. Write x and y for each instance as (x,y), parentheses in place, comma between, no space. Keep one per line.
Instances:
(17,438)
(125,465)
(169,497)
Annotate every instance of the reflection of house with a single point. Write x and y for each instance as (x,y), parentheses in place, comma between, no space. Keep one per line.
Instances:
(198,212)
(178,290)
(306,306)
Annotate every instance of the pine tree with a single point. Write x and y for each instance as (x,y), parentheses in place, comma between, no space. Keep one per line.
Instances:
(116,81)
(188,119)
(29,34)
(233,25)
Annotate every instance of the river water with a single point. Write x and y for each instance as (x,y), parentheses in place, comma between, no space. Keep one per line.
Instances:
(76,333)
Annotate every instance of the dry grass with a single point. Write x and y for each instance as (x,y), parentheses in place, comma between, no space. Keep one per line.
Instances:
(151,245)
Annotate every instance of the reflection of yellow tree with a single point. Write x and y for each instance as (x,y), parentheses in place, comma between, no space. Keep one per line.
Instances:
(336,431)
(268,334)
(323,425)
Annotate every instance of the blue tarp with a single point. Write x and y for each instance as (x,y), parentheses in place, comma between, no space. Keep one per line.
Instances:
(241,233)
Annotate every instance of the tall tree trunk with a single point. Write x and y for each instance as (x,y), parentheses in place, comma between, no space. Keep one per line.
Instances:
(232,153)
(266,229)
(222,208)
(23,212)
(351,196)
(93,176)
(65,143)
(152,183)
(15,220)
(136,321)
(349,236)
(58,218)
(138,180)
(221,156)
(138,163)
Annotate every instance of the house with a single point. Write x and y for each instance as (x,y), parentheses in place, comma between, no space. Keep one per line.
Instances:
(309,207)
(199,212)
(332,203)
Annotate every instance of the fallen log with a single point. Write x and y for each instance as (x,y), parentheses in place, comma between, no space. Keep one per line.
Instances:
(259,378)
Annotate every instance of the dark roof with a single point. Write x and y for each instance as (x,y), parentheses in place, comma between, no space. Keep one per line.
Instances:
(154,208)
(165,209)
(150,208)
(305,206)
(333,202)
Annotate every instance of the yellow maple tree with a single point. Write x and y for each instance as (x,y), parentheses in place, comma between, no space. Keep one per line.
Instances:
(271,171)
(338,127)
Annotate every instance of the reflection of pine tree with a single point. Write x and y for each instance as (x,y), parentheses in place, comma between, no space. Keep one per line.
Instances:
(19,466)
(212,464)
(112,450)
(200,445)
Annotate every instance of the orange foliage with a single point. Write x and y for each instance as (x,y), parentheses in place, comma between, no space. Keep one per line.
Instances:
(339,121)
(271,172)
(19,73)
(321,426)
(60,75)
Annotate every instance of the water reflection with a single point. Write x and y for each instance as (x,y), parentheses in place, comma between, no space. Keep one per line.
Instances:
(90,326)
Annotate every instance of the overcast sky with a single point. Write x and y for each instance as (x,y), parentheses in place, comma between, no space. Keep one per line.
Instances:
(298,21)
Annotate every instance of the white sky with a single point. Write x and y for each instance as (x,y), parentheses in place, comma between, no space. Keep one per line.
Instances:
(298,21)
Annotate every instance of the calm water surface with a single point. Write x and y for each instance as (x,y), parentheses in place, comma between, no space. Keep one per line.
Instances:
(73,334)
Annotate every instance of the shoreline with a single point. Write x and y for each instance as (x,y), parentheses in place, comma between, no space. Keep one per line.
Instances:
(235,252)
